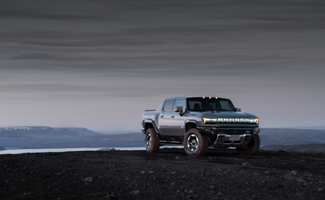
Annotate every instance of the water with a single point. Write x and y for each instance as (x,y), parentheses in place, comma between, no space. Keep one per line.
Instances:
(21,151)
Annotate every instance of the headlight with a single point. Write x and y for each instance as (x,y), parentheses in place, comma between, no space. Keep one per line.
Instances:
(209,121)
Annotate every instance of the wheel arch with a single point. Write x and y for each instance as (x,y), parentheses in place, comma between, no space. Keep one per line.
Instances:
(190,124)
(149,124)
(193,124)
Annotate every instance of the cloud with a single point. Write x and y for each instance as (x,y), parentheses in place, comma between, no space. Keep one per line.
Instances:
(51,88)
(96,56)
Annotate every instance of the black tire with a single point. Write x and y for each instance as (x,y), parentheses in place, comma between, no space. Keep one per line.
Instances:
(195,144)
(252,147)
(151,141)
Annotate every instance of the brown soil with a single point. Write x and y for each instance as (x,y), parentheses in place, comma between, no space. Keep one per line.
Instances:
(169,174)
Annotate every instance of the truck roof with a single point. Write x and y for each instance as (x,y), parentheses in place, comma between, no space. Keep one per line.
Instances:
(207,97)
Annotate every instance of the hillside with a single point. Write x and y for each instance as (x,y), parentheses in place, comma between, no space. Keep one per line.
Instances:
(38,137)
(287,136)
(312,148)
(44,132)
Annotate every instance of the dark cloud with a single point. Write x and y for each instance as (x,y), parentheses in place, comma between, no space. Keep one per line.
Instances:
(95,56)
(51,88)
(25,14)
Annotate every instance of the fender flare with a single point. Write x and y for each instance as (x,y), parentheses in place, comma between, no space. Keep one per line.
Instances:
(152,122)
(200,129)
(191,121)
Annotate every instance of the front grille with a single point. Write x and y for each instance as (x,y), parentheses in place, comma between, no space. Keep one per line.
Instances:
(232,132)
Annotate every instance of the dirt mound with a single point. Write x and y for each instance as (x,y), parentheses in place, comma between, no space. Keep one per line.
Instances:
(169,174)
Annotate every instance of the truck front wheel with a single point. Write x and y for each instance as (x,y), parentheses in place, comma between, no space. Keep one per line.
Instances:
(252,147)
(151,141)
(195,144)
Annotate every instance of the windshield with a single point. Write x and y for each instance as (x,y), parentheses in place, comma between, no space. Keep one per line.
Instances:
(207,104)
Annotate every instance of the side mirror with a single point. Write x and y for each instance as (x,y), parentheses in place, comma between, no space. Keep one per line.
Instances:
(238,109)
(179,109)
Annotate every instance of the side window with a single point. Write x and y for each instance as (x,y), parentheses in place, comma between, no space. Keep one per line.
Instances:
(180,102)
(168,107)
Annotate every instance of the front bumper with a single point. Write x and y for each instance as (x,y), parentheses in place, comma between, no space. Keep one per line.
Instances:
(229,137)
(224,140)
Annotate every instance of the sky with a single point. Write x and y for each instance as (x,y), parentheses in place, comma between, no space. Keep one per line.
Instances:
(99,64)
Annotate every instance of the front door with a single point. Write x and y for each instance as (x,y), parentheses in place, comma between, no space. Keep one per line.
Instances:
(165,118)
(171,123)
(177,125)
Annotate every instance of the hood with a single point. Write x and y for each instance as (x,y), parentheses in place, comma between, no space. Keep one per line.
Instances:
(227,114)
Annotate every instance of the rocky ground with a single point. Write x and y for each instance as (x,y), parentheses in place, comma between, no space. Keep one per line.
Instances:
(170,174)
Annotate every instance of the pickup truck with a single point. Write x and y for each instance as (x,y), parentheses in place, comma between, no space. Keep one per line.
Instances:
(198,123)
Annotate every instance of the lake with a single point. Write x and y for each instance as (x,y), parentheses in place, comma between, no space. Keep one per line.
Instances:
(20,151)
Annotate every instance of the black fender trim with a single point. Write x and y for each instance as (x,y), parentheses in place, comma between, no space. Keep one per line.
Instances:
(149,121)
(192,121)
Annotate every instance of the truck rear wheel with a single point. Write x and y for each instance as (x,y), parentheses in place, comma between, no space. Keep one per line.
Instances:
(151,141)
(195,144)
(252,147)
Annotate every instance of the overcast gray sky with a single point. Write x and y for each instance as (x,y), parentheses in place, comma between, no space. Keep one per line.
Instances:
(98,64)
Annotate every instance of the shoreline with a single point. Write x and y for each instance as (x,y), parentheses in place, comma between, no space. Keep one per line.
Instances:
(60,150)
(57,150)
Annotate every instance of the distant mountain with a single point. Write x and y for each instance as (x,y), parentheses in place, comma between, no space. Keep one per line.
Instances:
(44,132)
(310,127)
(284,136)
(42,137)
(37,137)
(297,148)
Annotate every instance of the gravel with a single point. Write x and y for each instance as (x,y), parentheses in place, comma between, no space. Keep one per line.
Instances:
(169,174)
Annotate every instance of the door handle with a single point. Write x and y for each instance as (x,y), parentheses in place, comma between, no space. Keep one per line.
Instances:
(162,116)
(173,116)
